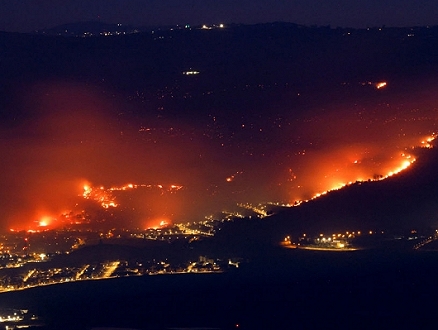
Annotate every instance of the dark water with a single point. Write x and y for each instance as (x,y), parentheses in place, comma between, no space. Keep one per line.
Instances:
(298,289)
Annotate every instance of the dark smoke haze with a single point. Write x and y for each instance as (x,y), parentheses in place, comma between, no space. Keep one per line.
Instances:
(70,134)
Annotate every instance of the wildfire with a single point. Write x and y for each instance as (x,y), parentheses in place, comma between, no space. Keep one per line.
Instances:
(43,223)
(426,143)
(104,196)
(161,224)
(101,195)
(406,162)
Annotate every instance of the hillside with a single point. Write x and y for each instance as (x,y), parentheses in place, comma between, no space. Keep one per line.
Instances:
(398,204)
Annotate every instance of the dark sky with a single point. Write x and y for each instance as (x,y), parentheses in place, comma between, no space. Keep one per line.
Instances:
(28,15)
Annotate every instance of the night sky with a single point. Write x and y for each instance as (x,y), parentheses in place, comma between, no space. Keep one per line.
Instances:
(29,15)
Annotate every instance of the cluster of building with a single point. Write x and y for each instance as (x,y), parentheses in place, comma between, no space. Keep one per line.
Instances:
(336,241)
(18,319)
(348,241)
(180,231)
(40,276)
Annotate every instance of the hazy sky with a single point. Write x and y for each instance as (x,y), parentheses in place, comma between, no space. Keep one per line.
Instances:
(28,15)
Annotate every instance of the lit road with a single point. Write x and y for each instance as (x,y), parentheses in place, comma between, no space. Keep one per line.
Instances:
(426,241)
(81,272)
(316,248)
(109,269)
(28,275)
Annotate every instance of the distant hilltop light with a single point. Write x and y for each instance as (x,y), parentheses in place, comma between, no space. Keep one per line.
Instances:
(214,26)
(380,85)
(377,85)
(191,72)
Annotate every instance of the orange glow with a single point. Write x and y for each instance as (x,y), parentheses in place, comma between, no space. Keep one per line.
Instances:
(43,223)
(405,162)
(158,223)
